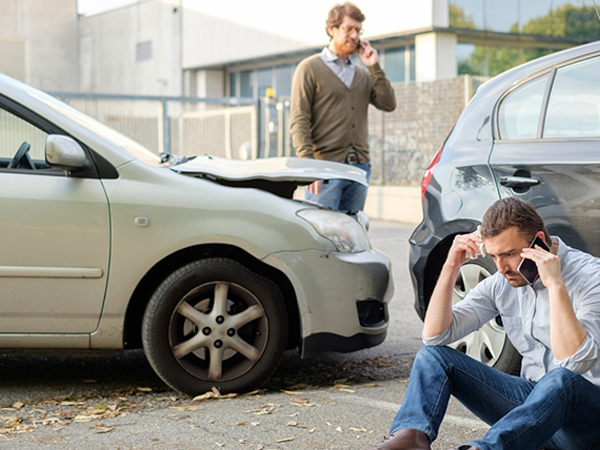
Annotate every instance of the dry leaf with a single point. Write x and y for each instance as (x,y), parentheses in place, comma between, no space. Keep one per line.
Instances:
(290,439)
(185,408)
(291,392)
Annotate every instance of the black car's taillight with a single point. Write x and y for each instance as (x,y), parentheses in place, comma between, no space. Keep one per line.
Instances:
(429,172)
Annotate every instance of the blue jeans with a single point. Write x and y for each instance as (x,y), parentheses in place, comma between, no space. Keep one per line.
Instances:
(560,411)
(342,195)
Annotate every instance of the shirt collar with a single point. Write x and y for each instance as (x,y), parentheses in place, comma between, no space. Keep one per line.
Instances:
(329,56)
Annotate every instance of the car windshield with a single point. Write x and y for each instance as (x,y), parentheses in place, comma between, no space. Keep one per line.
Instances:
(135,149)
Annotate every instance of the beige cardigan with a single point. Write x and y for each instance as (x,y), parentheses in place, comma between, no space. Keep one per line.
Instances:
(327,118)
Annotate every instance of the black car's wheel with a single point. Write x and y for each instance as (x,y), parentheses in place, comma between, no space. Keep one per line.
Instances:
(489,344)
(215,323)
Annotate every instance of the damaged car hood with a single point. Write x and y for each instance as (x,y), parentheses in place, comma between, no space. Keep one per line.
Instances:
(280,176)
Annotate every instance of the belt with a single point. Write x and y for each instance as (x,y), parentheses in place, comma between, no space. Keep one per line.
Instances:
(352,158)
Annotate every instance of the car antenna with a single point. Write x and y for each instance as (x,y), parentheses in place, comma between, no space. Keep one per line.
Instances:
(596,6)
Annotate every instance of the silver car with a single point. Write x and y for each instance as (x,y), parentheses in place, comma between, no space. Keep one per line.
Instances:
(210,265)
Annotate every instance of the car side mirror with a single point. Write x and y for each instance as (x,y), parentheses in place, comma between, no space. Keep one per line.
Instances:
(63,152)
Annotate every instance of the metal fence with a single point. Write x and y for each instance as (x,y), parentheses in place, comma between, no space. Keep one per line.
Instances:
(401,142)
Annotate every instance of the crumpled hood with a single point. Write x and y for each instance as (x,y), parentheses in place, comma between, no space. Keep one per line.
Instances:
(280,176)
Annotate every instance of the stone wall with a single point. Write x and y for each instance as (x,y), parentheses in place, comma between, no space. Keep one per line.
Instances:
(404,141)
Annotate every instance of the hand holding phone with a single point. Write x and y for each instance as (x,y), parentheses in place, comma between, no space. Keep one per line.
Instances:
(527,268)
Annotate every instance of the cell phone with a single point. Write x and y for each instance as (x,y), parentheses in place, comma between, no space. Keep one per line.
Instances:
(359,46)
(527,268)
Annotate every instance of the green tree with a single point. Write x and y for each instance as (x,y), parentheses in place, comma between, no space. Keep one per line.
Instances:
(579,22)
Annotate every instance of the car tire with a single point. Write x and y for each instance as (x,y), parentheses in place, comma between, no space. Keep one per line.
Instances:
(489,344)
(215,323)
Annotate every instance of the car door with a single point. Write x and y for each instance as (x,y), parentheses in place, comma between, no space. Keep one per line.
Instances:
(547,150)
(55,236)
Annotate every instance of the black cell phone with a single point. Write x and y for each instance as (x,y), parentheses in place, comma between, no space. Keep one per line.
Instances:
(527,268)
(359,47)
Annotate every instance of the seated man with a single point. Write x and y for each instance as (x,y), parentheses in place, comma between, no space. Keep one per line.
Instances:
(553,323)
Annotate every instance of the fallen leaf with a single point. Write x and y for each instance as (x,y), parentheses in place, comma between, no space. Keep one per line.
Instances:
(291,392)
(185,408)
(280,441)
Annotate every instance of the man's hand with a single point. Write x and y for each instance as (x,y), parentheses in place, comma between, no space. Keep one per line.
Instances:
(367,54)
(315,187)
(464,247)
(548,265)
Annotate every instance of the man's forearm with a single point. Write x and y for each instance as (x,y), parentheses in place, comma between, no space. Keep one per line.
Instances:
(439,312)
(566,332)
(383,96)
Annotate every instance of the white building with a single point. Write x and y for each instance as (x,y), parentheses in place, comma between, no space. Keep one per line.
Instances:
(239,48)
(39,43)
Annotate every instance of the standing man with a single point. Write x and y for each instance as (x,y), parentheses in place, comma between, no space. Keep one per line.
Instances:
(554,323)
(330,101)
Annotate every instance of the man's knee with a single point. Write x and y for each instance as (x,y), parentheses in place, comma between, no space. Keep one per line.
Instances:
(430,354)
(558,380)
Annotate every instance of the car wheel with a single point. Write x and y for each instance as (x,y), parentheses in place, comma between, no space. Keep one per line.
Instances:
(215,323)
(489,344)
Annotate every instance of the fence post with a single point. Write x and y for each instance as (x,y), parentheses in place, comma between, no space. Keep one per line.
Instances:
(166,128)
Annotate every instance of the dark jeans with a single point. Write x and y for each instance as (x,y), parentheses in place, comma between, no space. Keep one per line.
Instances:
(561,411)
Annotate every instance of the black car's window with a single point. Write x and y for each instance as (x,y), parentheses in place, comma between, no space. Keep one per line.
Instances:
(13,132)
(574,104)
(519,113)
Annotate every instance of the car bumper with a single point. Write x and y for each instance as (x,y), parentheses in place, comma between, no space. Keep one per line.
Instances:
(342,297)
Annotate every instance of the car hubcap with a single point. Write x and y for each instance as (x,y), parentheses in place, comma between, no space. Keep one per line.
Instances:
(218,331)
(485,344)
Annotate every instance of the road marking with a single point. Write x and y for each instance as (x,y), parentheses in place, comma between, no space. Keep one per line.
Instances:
(389,406)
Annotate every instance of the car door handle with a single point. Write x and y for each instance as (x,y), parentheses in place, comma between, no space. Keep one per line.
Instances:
(513,182)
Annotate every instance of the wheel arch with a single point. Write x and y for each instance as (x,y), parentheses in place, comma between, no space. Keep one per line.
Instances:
(437,257)
(161,270)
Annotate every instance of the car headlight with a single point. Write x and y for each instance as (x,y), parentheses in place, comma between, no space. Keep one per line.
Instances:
(346,233)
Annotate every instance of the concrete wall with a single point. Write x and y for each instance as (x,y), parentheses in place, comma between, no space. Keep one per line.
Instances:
(39,42)
(133,50)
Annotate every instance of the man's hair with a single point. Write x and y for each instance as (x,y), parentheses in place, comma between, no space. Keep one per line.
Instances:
(513,212)
(338,12)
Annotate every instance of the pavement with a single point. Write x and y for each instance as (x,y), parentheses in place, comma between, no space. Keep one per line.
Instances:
(332,401)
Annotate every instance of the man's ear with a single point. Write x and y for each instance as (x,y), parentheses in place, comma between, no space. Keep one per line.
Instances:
(542,236)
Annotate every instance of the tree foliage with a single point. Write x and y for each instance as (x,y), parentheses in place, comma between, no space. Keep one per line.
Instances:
(569,21)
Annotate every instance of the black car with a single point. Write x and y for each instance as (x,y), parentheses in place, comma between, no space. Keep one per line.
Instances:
(532,132)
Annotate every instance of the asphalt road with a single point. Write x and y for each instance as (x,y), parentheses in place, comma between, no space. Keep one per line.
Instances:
(332,401)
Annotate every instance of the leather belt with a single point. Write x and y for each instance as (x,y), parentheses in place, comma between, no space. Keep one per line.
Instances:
(352,158)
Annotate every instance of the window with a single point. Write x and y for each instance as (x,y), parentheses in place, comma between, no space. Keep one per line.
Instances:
(265,80)
(246,83)
(232,84)
(14,131)
(283,78)
(520,111)
(395,64)
(574,106)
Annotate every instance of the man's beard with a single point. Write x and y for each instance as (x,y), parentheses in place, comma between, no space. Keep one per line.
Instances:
(515,280)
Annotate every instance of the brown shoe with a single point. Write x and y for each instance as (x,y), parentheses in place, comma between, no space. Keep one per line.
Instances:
(407,439)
